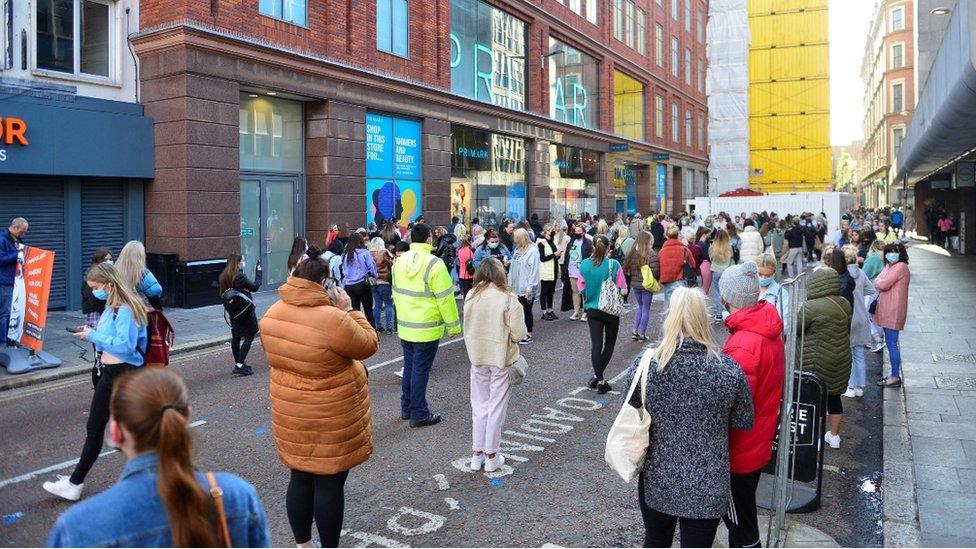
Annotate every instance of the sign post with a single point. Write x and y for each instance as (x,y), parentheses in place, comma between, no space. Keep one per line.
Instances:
(28,315)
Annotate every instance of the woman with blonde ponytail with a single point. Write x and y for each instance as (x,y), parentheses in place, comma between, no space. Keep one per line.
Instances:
(161,500)
(120,342)
(695,394)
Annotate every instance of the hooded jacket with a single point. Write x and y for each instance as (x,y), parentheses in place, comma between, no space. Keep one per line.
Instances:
(672,259)
(320,407)
(423,294)
(9,251)
(860,323)
(752,244)
(756,344)
(447,251)
(825,331)
(892,285)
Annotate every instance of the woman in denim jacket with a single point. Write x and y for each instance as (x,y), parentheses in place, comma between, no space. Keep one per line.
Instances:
(160,500)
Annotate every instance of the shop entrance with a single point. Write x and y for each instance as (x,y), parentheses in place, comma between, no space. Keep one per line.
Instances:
(271,217)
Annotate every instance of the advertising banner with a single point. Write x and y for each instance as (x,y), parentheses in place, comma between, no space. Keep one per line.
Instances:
(661,188)
(393,171)
(37,269)
(460,200)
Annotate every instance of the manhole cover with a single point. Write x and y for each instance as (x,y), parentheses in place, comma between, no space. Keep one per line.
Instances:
(955,382)
(943,357)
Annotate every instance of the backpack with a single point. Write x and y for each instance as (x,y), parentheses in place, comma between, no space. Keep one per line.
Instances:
(236,305)
(161,336)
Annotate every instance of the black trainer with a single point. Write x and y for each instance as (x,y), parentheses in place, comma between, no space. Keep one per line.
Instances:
(433,419)
(592,383)
(603,388)
(242,370)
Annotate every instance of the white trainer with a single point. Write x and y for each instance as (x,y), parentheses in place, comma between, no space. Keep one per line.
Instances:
(859,392)
(398,373)
(831,439)
(574,316)
(63,488)
(495,463)
(850,393)
(477,461)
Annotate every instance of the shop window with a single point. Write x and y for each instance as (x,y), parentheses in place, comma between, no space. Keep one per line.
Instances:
(487,176)
(625,189)
(76,37)
(573,86)
(628,106)
(488,53)
(394,188)
(573,181)
(271,137)
(392,23)
(291,11)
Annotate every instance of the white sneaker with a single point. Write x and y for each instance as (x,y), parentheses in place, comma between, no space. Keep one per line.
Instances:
(477,461)
(859,392)
(583,317)
(574,316)
(63,488)
(831,439)
(850,393)
(398,373)
(495,463)
(877,346)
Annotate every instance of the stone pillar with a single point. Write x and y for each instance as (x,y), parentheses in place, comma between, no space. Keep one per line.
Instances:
(436,171)
(193,205)
(537,166)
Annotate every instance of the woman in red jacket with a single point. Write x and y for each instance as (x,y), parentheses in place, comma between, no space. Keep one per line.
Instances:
(757,346)
(672,258)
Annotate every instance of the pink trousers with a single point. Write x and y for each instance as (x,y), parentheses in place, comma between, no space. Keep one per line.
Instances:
(489,405)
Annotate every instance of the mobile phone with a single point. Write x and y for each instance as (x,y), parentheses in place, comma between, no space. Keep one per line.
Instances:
(330,288)
(75,329)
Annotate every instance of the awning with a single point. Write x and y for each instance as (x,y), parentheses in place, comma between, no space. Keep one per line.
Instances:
(943,128)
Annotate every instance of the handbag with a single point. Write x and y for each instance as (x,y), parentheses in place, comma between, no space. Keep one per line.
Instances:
(517,371)
(218,496)
(648,281)
(628,437)
(873,307)
(611,302)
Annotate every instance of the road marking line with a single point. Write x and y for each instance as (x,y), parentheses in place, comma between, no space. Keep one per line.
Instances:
(398,359)
(65,464)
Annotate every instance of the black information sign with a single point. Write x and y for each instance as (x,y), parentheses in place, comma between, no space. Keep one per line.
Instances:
(806,429)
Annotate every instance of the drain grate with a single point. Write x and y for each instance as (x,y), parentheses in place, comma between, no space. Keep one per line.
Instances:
(945,357)
(964,383)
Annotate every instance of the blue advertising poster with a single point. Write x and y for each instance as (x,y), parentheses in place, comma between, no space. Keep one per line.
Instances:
(379,145)
(406,149)
(393,170)
(516,200)
(661,187)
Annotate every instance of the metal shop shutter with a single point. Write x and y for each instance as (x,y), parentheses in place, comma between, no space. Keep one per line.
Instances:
(102,217)
(41,201)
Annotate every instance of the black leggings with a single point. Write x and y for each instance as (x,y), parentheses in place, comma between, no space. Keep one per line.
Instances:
(603,338)
(546,294)
(318,497)
(240,346)
(465,285)
(362,294)
(97,418)
(659,527)
(527,311)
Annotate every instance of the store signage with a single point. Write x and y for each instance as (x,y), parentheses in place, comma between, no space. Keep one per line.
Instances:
(484,67)
(579,99)
(466,152)
(247,233)
(13,131)
(807,424)
(619,147)
(660,157)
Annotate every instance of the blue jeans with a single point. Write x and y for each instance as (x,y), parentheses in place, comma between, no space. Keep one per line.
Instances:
(857,366)
(670,287)
(383,296)
(417,360)
(6,302)
(644,299)
(894,353)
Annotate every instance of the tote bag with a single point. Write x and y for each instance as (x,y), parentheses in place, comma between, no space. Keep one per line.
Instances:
(611,302)
(628,437)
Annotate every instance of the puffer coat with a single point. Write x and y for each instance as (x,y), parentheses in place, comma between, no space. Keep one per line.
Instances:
(320,406)
(825,330)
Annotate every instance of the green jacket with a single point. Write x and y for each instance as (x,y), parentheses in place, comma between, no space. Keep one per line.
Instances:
(423,294)
(824,328)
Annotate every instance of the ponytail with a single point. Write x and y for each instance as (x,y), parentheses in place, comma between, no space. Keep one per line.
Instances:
(600,246)
(152,404)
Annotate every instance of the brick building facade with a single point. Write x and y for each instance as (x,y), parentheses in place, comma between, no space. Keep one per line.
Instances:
(274,124)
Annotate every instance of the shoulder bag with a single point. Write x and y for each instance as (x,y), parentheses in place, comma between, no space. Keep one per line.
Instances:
(611,302)
(627,440)
(218,497)
(648,282)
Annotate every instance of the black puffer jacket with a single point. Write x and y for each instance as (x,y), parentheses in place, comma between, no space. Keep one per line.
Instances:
(825,331)
(446,250)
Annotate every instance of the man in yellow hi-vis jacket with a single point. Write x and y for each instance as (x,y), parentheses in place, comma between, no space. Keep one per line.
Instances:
(423,294)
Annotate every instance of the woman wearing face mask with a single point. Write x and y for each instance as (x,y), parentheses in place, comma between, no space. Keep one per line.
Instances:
(548,270)
(320,405)
(492,247)
(769,289)
(243,327)
(90,306)
(161,499)
(892,310)
(580,247)
(120,340)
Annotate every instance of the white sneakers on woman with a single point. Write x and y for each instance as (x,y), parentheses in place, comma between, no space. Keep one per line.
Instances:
(63,488)
(832,440)
(854,392)
(490,464)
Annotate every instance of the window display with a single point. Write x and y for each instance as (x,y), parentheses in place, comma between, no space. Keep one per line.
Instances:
(487,176)
(574,185)
(487,54)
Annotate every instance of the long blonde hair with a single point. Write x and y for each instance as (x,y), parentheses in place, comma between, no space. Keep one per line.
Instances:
(687,318)
(132,263)
(521,239)
(120,293)
(721,249)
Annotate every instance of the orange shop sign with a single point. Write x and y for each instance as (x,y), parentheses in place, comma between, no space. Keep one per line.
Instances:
(13,131)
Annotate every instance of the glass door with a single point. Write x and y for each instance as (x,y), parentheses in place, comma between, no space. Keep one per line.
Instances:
(270,220)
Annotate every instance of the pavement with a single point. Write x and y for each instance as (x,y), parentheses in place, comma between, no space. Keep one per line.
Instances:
(195,329)
(415,490)
(930,425)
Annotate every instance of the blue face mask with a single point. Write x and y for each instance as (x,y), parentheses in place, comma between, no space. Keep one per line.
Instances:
(100,295)
(765,282)
(892,257)
(492,245)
